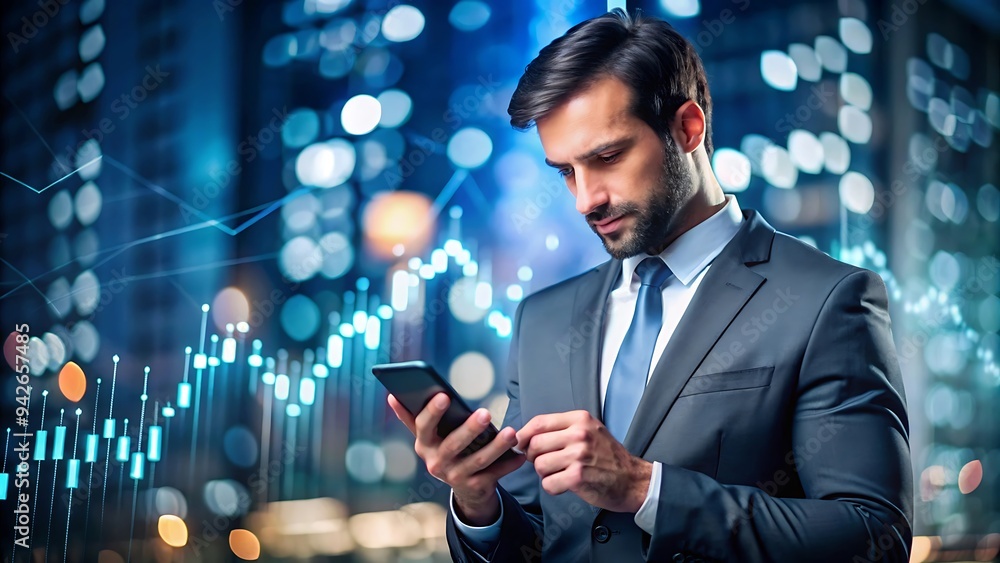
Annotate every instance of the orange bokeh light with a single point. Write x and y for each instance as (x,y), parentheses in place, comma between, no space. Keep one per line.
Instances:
(970,476)
(393,218)
(72,382)
(244,544)
(173,530)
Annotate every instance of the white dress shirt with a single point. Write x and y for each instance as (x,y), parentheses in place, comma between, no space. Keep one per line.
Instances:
(689,258)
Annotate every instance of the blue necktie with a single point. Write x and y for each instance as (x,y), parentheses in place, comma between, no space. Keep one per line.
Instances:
(629,374)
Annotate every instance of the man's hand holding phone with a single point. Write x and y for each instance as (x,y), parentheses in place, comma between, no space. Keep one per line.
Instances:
(473,478)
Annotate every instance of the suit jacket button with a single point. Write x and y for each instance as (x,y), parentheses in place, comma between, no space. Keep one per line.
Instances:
(602,534)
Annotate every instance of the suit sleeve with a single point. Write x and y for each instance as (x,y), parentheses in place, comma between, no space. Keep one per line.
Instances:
(521,528)
(850,416)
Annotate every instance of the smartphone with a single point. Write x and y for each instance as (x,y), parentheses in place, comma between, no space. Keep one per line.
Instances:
(415,383)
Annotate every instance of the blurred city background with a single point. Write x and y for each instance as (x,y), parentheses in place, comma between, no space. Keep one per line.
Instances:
(216,216)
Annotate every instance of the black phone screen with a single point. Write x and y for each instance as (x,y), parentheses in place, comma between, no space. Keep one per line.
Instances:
(415,383)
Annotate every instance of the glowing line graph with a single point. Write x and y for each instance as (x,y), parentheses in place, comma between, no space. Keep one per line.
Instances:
(261,211)
(159,190)
(38,191)
(31,283)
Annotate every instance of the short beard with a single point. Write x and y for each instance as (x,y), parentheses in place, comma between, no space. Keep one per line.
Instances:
(653,220)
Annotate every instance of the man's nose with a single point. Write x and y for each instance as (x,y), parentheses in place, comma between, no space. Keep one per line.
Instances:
(591,192)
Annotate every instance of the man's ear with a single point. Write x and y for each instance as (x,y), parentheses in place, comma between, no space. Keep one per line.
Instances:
(688,126)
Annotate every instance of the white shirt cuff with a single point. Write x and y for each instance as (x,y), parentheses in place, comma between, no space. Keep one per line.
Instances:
(482,539)
(645,518)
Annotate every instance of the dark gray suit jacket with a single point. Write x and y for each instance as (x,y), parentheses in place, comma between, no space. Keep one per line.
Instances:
(777,410)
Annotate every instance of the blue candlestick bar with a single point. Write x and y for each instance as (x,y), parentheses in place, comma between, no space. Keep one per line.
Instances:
(73,474)
(155,443)
(59,443)
(41,438)
(90,452)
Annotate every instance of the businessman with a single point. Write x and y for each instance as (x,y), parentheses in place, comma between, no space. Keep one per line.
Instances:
(716,391)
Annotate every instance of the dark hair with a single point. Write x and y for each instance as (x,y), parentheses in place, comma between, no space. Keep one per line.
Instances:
(659,65)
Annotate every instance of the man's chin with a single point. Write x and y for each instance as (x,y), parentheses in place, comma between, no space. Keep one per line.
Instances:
(619,247)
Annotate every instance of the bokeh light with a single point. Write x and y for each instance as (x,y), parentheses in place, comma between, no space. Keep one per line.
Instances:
(72,382)
(469,148)
(681,8)
(855,35)
(109,556)
(300,258)
(778,70)
(168,500)
(462,301)
(301,128)
(338,255)
(855,90)
(836,152)
(172,530)
(396,108)
(86,292)
(240,446)
(88,203)
(91,82)
(244,544)
(806,151)
(230,306)
(86,341)
(469,15)
(854,124)
(472,375)
(399,217)
(857,192)
(361,114)
(402,23)
(326,164)
(365,462)
(57,350)
(300,317)
(777,167)
(806,62)
(61,209)
(832,54)
(732,168)
(400,461)
(38,356)
(226,497)
(970,477)
(380,530)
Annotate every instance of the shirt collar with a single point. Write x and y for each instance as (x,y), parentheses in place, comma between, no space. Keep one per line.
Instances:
(694,250)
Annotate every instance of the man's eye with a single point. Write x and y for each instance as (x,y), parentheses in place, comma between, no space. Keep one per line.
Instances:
(610,158)
(564,172)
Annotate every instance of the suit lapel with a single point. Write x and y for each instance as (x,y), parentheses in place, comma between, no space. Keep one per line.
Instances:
(589,307)
(726,288)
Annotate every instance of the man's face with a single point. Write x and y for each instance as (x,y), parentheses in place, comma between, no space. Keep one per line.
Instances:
(628,182)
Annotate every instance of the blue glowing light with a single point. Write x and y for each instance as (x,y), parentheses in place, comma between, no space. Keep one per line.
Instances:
(155,443)
(281,387)
(307,390)
(335,351)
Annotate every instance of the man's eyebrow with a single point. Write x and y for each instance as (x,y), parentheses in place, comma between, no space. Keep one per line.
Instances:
(616,143)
